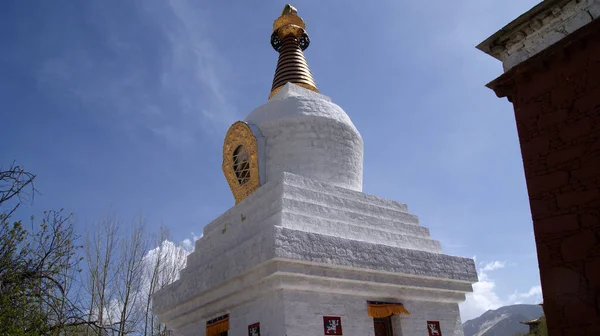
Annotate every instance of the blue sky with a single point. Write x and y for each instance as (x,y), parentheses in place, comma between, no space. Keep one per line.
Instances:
(125,104)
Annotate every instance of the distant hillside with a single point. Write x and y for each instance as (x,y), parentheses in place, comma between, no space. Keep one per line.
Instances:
(503,321)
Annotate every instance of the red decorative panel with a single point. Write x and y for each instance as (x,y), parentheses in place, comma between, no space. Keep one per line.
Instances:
(332,325)
(254,329)
(433,328)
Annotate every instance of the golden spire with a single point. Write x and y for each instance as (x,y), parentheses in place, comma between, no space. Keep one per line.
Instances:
(289,38)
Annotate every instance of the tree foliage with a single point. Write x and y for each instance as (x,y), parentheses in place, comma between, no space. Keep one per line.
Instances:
(52,285)
(37,266)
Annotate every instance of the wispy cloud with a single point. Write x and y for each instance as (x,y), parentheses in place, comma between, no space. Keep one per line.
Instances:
(534,292)
(167,81)
(493,266)
(196,70)
(485,296)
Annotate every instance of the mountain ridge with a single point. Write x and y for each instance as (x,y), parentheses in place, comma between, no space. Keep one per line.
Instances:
(504,321)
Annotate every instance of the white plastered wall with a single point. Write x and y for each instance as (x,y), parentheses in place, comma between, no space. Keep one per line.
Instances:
(308,135)
(447,313)
(304,313)
(268,310)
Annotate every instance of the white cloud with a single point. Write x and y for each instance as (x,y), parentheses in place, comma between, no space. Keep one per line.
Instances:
(188,244)
(534,292)
(494,265)
(173,257)
(484,296)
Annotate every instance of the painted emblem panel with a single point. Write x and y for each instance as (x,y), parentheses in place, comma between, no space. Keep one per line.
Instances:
(332,325)
(254,329)
(433,328)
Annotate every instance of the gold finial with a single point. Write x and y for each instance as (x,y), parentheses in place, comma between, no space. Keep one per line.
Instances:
(289,23)
(289,38)
(289,10)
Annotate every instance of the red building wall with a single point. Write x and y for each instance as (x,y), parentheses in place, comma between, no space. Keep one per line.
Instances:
(556,98)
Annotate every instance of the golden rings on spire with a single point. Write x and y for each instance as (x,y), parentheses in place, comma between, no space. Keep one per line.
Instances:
(289,38)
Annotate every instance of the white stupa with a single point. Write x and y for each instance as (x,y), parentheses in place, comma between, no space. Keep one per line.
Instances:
(304,251)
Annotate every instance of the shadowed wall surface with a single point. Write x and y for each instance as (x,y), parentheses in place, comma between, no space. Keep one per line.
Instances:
(556,98)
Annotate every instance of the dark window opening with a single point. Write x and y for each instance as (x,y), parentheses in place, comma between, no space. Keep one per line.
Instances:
(241,164)
(383,326)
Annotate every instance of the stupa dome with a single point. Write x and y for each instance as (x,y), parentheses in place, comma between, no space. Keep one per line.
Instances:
(308,135)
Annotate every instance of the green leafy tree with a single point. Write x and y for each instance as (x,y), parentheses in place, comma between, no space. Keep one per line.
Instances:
(38,267)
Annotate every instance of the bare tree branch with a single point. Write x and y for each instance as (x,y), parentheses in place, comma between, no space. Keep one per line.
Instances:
(13,182)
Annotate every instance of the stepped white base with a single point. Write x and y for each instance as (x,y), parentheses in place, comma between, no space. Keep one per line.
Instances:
(298,249)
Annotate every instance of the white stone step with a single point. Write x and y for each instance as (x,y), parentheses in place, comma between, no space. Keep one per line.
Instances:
(322,187)
(259,204)
(383,221)
(406,239)
(232,260)
(340,202)
(281,242)
(376,224)
(234,235)
(323,249)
